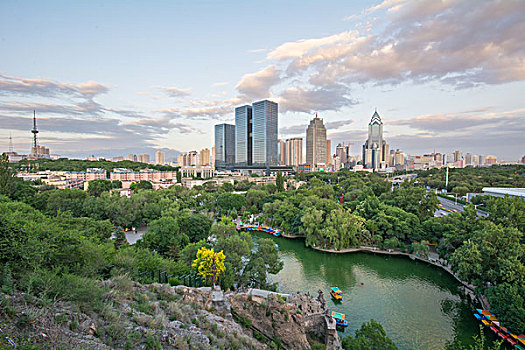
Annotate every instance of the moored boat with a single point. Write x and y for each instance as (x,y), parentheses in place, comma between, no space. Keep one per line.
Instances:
(340,319)
(336,293)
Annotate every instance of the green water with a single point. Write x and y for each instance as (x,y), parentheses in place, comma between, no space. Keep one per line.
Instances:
(419,305)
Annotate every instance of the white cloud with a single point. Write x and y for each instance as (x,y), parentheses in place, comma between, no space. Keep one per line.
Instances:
(258,84)
(175,92)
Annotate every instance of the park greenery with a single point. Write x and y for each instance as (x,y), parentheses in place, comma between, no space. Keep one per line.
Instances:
(58,243)
(64,164)
(470,179)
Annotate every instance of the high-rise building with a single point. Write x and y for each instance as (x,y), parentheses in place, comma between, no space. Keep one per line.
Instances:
(243,135)
(144,158)
(224,145)
(294,152)
(316,142)
(264,133)
(205,157)
(343,152)
(159,158)
(190,159)
(458,156)
(375,149)
(328,152)
(132,157)
(282,152)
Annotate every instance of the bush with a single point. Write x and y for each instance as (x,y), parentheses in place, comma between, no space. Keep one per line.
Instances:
(174,281)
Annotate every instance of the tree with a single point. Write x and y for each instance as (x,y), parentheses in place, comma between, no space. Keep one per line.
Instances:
(96,187)
(195,226)
(141,185)
(508,302)
(179,177)
(279,182)
(209,264)
(7,176)
(507,211)
(164,236)
(460,190)
(492,255)
(371,336)
(120,239)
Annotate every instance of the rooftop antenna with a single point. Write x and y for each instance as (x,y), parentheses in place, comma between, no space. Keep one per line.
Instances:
(34,131)
(10,143)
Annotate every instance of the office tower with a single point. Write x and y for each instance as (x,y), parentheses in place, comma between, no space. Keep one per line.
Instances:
(243,135)
(282,152)
(159,157)
(468,159)
(264,133)
(328,152)
(224,145)
(375,149)
(294,152)
(457,156)
(343,152)
(144,158)
(212,160)
(132,157)
(205,157)
(316,142)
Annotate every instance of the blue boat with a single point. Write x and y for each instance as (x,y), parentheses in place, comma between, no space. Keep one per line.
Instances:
(339,319)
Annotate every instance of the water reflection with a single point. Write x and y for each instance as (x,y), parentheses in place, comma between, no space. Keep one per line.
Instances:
(420,306)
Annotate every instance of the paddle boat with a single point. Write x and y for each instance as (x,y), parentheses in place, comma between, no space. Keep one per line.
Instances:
(339,319)
(336,293)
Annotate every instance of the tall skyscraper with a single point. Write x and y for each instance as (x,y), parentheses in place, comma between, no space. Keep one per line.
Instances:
(243,135)
(159,158)
(294,152)
(375,149)
(224,145)
(264,133)
(282,152)
(316,142)
(144,158)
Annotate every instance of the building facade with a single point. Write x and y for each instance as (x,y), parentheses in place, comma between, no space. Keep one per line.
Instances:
(144,158)
(316,142)
(264,133)
(294,152)
(224,145)
(243,135)
(159,158)
(205,157)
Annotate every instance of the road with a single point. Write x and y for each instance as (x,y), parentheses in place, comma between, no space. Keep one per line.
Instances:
(452,206)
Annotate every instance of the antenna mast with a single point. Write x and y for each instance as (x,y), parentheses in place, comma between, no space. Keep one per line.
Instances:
(10,143)
(34,131)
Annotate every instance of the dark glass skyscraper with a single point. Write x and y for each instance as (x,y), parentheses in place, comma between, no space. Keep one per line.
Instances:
(264,131)
(224,145)
(243,135)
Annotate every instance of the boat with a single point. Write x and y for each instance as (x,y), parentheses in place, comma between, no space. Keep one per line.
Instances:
(339,319)
(336,293)
(486,323)
(478,316)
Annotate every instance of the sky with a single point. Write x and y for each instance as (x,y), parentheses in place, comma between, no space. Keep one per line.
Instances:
(109,78)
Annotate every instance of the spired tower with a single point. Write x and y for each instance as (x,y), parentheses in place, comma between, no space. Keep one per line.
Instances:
(375,148)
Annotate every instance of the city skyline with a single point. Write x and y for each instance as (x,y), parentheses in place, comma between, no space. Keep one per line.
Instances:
(103,85)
